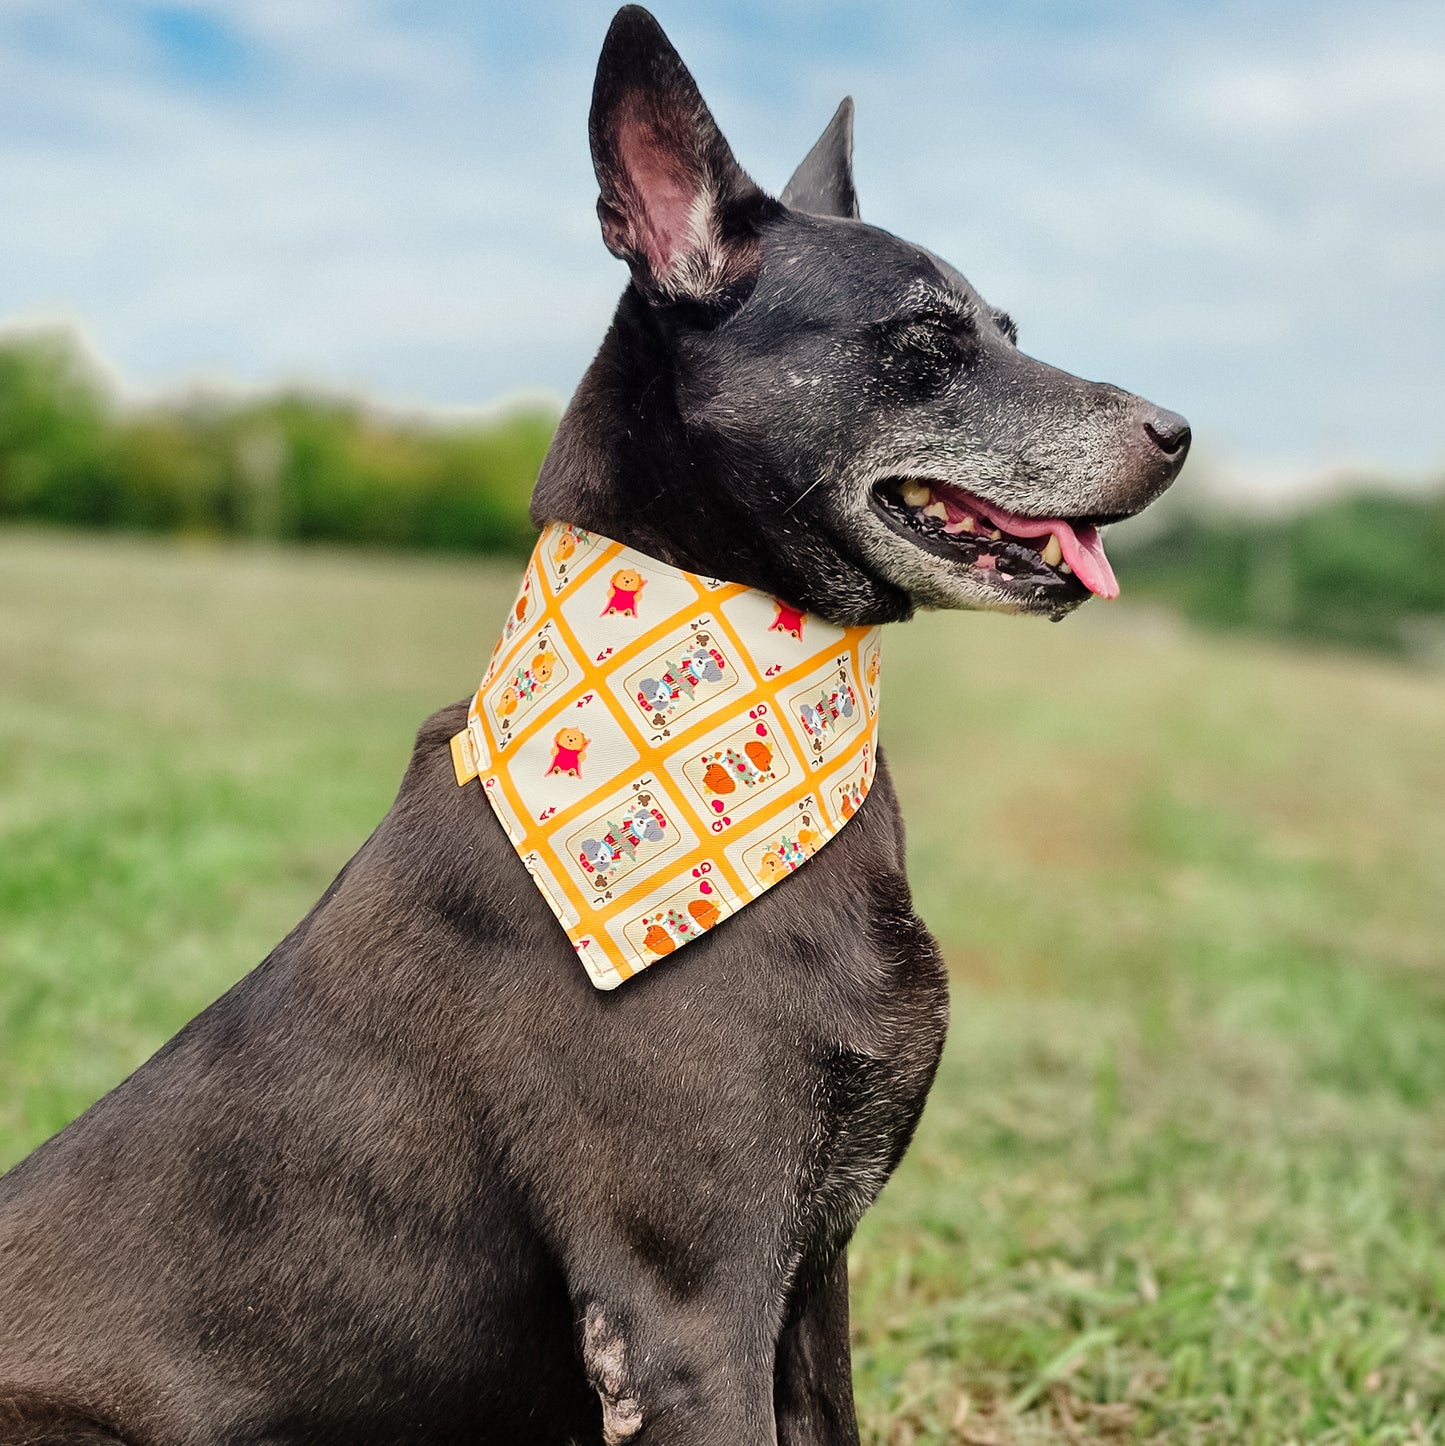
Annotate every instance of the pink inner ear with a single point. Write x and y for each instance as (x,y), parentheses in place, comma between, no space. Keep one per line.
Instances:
(664,195)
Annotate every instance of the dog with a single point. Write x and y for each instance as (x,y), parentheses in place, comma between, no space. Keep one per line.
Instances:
(413,1179)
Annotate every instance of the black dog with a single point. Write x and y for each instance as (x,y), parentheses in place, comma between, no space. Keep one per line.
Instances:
(414,1179)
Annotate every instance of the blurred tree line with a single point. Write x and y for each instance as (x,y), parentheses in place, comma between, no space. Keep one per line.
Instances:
(1362,568)
(1365,568)
(294,465)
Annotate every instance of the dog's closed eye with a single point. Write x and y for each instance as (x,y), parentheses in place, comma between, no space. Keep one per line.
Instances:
(932,340)
(952,323)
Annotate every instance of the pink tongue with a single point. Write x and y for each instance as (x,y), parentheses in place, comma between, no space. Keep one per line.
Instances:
(1083,548)
(1084,552)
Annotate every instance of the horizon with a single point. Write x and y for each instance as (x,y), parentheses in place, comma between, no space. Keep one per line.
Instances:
(1239,213)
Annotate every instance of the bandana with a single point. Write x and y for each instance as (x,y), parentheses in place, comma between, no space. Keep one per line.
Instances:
(662,748)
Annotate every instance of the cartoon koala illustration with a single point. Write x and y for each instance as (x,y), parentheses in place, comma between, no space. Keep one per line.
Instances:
(655,695)
(627,585)
(642,825)
(680,680)
(819,716)
(702,665)
(597,855)
(645,825)
(569,748)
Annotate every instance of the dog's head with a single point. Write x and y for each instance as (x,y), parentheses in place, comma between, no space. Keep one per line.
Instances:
(830,392)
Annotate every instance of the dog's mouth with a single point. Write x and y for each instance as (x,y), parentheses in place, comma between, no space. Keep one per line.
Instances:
(1036,561)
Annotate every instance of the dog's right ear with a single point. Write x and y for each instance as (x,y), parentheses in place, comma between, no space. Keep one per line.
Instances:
(674,203)
(823,184)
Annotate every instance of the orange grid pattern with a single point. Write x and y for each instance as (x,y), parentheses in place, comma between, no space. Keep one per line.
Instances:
(662,747)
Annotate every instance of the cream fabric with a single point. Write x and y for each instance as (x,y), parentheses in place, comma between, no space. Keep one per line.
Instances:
(662,748)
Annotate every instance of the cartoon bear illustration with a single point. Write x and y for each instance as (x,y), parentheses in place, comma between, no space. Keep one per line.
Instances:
(759,754)
(569,748)
(724,770)
(716,779)
(659,940)
(627,585)
(787,855)
(518,615)
(530,681)
(565,546)
(788,620)
(772,869)
(705,912)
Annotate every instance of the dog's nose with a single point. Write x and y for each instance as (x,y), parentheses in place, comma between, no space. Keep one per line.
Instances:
(1169,432)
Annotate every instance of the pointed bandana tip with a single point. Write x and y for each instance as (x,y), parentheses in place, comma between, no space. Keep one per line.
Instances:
(663,748)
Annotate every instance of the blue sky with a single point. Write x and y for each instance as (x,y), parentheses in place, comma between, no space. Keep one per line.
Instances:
(1236,209)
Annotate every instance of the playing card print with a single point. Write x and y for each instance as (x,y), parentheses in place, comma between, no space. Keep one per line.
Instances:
(650,741)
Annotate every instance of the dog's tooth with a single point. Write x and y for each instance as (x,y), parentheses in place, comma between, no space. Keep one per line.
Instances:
(1064,567)
(1053,552)
(996,535)
(915,494)
(936,509)
(968,524)
(955,527)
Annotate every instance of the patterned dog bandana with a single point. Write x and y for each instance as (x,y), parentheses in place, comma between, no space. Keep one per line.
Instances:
(662,748)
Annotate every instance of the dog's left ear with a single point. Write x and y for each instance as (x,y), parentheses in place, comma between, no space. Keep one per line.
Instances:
(674,203)
(823,184)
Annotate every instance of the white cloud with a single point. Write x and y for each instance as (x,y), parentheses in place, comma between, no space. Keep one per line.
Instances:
(1238,210)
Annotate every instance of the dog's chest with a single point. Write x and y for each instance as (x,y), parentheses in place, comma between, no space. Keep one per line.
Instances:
(867,996)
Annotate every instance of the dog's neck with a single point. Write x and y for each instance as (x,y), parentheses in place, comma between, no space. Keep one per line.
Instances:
(624,464)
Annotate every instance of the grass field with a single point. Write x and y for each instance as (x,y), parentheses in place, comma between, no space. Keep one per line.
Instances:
(1183,1175)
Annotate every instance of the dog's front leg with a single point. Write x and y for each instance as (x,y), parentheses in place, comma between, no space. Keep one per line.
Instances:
(813,1385)
(674,1374)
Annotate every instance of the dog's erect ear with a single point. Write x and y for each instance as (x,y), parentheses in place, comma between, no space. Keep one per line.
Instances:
(674,203)
(823,184)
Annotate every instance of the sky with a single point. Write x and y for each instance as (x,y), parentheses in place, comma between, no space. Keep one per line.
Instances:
(1237,210)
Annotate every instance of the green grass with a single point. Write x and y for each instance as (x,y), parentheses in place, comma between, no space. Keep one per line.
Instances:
(1183,1175)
